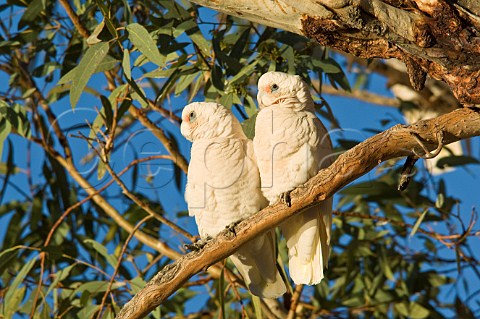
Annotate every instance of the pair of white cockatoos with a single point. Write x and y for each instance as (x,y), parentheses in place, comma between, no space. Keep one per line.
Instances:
(231,178)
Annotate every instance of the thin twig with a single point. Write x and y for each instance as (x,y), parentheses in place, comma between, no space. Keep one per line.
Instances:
(75,19)
(119,262)
(136,200)
(178,158)
(433,235)
(295,301)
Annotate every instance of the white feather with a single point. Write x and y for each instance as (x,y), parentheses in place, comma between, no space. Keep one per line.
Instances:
(224,187)
(291,145)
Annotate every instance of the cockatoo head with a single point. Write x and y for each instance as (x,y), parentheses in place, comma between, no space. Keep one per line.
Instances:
(278,88)
(208,120)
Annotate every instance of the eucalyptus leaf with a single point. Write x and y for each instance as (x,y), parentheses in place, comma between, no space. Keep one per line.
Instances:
(86,69)
(145,43)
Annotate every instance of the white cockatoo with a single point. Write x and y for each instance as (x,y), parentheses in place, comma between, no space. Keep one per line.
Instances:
(291,146)
(223,187)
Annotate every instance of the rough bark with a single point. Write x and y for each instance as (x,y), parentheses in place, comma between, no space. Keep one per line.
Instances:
(434,37)
(398,141)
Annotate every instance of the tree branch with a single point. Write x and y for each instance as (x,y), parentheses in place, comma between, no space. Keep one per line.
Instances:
(397,141)
(432,37)
(178,159)
(362,95)
(75,19)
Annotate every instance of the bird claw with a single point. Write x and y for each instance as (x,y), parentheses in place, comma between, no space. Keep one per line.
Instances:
(198,245)
(285,198)
(231,227)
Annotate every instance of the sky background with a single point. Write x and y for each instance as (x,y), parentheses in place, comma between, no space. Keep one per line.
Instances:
(354,116)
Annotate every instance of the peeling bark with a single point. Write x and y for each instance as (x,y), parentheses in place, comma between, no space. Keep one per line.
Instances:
(398,141)
(438,38)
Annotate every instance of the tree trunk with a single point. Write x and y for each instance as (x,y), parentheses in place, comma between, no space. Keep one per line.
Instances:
(434,37)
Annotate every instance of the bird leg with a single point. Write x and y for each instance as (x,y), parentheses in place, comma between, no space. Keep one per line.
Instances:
(285,198)
(198,245)
(429,154)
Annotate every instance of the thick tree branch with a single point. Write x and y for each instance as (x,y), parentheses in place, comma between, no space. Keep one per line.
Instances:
(397,141)
(362,95)
(434,37)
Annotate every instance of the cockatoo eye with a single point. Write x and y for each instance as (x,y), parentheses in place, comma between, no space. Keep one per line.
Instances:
(274,87)
(192,116)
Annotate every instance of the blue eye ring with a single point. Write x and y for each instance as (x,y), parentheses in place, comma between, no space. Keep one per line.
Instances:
(192,116)
(274,87)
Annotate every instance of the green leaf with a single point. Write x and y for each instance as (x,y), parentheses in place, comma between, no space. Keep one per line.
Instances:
(97,287)
(244,72)
(289,55)
(340,79)
(4,168)
(142,40)
(257,305)
(204,45)
(59,276)
(196,87)
(126,65)
(191,28)
(107,111)
(107,64)
(227,100)
(137,284)
(86,69)
(101,170)
(14,302)
(93,38)
(10,296)
(33,10)
(102,250)
(248,126)
(418,222)
(5,129)
(10,168)
(250,106)
(385,266)
(138,94)
(460,160)
(440,201)
(185,81)
(402,308)
(106,17)
(328,65)
(417,311)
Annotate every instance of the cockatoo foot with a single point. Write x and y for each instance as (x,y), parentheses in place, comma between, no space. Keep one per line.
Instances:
(285,198)
(198,245)
(231,227)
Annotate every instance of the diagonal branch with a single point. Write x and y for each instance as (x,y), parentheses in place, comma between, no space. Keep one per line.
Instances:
(397,141)
(75,19)
(178,159)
